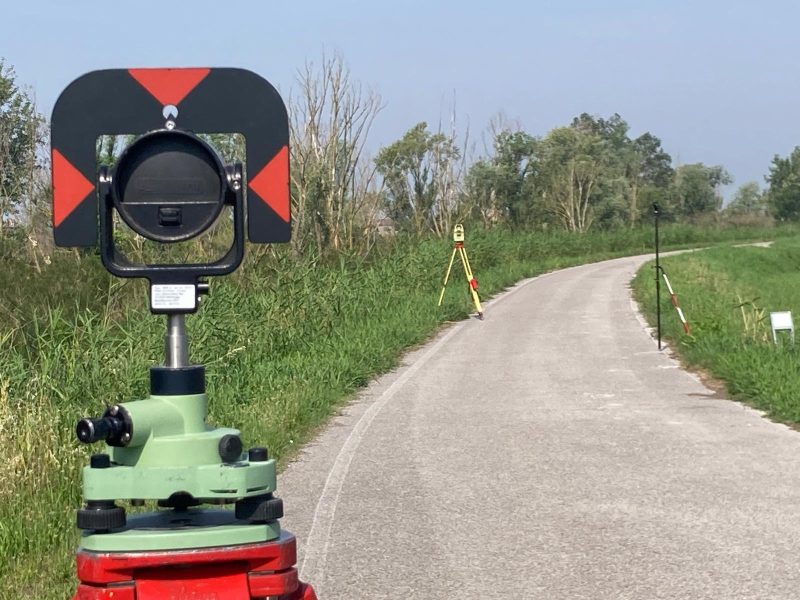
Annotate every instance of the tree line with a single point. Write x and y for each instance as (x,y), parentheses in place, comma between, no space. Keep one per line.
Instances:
(590,173)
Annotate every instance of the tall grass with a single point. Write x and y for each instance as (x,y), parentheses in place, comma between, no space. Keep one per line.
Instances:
(727,294)
(286,340)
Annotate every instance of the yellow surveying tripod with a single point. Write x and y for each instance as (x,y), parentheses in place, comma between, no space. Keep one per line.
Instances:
(458,238)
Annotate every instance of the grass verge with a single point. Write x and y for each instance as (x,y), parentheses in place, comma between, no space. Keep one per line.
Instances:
(727,295)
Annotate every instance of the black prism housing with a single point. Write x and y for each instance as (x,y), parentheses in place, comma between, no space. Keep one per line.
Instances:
(169,186)
(114,102)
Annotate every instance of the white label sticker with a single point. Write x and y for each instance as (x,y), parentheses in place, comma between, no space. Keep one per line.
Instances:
(173,297)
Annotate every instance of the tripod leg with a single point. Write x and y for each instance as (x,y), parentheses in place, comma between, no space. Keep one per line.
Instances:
(472,282)
(447,276)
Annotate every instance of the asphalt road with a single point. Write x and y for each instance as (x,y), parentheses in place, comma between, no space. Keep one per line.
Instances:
(548,452)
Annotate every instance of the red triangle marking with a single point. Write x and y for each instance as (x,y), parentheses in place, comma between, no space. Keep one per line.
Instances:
(272,183)
(169,86)
(70,188)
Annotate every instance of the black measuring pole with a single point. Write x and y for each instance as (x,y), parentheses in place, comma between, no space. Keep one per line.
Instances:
(656,213)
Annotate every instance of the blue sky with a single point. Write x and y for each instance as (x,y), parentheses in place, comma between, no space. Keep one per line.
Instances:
(716,81)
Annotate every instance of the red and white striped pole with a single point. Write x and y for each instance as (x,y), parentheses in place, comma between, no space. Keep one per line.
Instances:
(677,306)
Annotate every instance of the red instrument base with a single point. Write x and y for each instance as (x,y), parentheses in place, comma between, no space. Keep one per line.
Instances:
(245,572)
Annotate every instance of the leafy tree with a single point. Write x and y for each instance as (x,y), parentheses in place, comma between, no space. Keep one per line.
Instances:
(783,195)
(413,169)
(21,132)
(516,168)
(482,185)
(612,131)
(504,186)
(649,174)
(654,164)
(633,172)
(589,172)
(573,161)
(616,161)
(695,189)
(748,200)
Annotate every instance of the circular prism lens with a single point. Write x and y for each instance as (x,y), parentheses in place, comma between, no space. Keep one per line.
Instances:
(169,186)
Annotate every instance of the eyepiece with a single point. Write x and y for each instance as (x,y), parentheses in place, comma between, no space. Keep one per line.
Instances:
(87,429)
(105,429)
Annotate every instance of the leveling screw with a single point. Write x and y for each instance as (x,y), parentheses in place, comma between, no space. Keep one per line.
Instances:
(258,454)
(100,461)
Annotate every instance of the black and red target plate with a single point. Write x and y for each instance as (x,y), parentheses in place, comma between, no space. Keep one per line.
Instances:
(132,101)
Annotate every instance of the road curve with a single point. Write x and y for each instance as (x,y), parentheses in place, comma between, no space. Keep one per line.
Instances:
(548,452)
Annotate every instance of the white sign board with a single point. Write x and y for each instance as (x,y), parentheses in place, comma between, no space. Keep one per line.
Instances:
(781,321)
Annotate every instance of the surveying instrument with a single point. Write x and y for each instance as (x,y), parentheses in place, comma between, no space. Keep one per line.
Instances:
(168,186)
(472,283)
(660,272)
